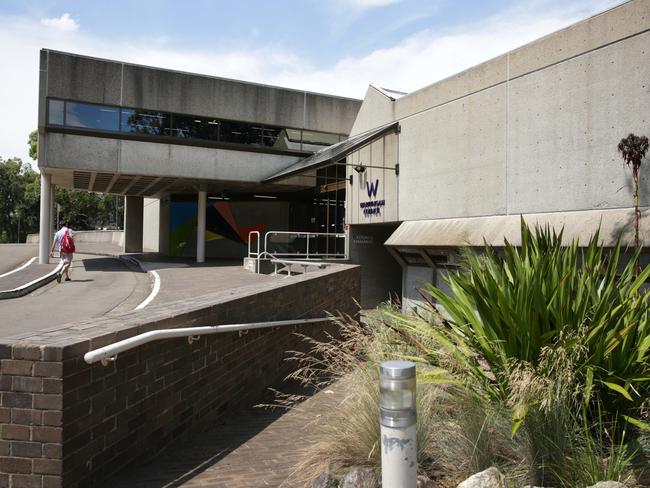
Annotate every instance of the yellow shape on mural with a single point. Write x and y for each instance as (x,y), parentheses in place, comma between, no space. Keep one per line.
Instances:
(212,236)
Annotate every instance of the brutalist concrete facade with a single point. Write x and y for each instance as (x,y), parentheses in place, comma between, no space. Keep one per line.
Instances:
(533,132)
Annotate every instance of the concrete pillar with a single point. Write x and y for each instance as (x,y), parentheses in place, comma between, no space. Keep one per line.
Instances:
(163,232)
(53,227)
(133,221)
(200,227)
(45,224)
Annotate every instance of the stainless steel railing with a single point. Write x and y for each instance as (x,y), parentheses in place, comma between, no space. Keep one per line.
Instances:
(109,353)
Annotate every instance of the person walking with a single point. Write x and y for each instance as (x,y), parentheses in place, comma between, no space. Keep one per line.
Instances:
(64,240)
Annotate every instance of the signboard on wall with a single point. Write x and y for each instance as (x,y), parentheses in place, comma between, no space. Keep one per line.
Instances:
(373,206)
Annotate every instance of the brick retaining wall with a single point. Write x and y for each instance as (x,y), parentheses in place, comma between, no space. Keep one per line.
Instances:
(66,423)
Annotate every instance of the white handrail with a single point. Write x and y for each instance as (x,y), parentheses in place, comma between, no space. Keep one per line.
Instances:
(110,352)
(307,235)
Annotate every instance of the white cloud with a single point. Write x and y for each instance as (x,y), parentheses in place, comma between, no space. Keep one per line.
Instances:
(412,63)
(65,23)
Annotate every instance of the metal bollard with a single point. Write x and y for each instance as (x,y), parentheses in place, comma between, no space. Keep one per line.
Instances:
(399,466)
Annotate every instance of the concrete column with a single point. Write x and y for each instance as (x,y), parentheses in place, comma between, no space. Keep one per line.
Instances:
(133,221)
(200,227)
(53,228)
(45,225)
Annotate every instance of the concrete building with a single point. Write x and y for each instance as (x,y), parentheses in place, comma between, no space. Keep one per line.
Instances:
(533,132)
(189,152)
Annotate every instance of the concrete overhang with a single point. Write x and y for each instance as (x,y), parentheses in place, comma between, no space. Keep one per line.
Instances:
(158,186)
(477,231)
(334,153)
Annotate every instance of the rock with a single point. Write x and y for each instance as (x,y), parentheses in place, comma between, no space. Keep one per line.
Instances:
(608,484)
(325,480)
(359,477)
(490,478)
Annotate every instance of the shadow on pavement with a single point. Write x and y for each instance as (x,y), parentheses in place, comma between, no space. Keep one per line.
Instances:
(178,465)
(107,264)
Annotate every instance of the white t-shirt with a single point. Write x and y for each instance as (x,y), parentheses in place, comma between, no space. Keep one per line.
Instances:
(59,235)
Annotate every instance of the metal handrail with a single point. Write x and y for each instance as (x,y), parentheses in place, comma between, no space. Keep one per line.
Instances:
(250,234)
(308,235)
(109,353)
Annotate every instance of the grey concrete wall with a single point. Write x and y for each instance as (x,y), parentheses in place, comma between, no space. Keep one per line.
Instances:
(383,155)
(68,151)
(377,109)
(93,80)
(133,224)
(534,130)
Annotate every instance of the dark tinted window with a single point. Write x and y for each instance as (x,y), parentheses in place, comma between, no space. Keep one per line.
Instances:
(241,133)
(91,116)
(154,123)
(145,122)
(190,127)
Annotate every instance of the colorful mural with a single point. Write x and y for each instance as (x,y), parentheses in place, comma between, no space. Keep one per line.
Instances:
(220,224)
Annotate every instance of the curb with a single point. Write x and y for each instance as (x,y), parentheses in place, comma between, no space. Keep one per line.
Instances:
(154,279)
(32,285)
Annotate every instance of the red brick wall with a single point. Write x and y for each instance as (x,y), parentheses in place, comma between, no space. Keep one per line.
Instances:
(66,423)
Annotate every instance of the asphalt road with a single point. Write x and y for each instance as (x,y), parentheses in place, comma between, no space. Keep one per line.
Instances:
(100,285)
(13,255)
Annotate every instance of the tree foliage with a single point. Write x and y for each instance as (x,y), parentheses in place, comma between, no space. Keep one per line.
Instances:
(20,201)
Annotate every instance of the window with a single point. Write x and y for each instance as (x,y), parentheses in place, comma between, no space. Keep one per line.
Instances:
(192,127)
(91,116)
(241,133)
(145,122)
(56,112)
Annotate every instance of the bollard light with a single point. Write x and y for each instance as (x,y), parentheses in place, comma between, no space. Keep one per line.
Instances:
(397,417)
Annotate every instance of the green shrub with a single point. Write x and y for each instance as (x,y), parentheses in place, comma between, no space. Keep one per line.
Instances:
(507,308)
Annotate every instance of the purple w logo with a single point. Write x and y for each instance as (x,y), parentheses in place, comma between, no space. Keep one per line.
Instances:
(372,189)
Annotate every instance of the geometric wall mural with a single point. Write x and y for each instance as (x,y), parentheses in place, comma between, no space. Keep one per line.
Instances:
(220,224)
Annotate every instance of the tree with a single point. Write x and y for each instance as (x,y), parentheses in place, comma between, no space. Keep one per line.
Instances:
(33,144)
(19,200)
(633,149)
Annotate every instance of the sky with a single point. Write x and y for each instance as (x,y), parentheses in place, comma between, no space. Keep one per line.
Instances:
(330,46)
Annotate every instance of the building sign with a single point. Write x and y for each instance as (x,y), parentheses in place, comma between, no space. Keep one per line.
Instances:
(373,207)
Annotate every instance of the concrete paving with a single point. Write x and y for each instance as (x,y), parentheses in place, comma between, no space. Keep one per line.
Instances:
(255,448)
(13,255)
(26,275)
(183,279)
(100,285)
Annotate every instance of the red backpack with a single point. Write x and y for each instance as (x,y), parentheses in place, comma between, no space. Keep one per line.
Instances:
(67,243)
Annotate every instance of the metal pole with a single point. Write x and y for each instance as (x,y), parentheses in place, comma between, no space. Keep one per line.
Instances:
(399,465)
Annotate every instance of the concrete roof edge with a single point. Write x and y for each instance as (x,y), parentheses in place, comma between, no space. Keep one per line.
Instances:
(493,229)
(233,80)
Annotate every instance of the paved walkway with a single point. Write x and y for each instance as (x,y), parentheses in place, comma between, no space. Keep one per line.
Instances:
(100,285)
(180,280)
(256,448)
(26,275)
